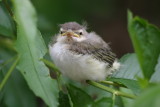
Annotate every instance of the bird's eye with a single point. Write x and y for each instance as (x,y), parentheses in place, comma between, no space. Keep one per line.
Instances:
(61,32)
(80,33)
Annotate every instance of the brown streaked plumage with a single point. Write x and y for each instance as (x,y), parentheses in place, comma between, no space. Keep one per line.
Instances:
(97,51)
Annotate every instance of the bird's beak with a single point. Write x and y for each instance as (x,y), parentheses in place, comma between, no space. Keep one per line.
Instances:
(69,34)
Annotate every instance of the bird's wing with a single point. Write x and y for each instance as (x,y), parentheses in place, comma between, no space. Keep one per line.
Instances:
(99,51)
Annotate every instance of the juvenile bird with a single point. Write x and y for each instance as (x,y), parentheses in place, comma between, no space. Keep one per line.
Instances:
(81,55)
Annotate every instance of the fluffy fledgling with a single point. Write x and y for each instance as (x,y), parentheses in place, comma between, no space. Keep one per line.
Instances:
(81,55)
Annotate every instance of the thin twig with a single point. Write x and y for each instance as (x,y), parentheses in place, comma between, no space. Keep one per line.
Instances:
(116,92)
(8,8)
(7,61)
(113,99)
(112,83)
(11,14)
(9,73)
(50,64)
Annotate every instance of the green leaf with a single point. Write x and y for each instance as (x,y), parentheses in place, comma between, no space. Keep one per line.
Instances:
(79,98)
(6,23)
(103,102)
(31,49)
(16,92)
(156,75)
(131,84)
(126,101)
(128,73)
(129,68)
(63,100)
(145,38)
(150,98)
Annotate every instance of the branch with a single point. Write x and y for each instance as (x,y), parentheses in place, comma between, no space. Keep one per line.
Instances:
(116,92)
(113,83)
(50,64)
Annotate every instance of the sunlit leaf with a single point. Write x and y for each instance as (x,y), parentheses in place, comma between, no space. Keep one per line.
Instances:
(129,68)
(145,38)
(31,49)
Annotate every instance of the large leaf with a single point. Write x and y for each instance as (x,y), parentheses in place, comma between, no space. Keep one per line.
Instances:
(104,102)
(150,98)
(131,84)
(129,68)
(156,76)
(95,93)
(6,23)
(15,92)
(31,49)
(126,101)
(79,98)
(128,73)
(146,41)
(64,100)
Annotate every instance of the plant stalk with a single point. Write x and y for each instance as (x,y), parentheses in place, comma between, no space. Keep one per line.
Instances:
(50,64)
(116,92)
(112,83)
(9,73)
(113,99)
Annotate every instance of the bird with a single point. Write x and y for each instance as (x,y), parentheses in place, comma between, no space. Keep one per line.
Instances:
(82,55)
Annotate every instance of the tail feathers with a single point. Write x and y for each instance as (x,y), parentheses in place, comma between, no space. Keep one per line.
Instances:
(116,65)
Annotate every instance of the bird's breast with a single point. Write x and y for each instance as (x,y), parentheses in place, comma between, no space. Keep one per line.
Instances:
(77,66)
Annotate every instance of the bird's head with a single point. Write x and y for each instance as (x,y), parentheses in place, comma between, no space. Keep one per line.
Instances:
(72,31)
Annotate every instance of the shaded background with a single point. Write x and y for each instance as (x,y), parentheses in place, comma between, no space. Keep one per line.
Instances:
(108,18)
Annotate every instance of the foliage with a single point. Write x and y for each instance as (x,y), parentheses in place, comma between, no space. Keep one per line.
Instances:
(145,38)
(26,79)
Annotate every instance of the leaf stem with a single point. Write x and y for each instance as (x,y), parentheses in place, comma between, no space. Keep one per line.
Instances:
(50,64)
(112,83)
(8,8)
(9,73)
(11,14)
(116,92)
(7,62)
(113,99)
